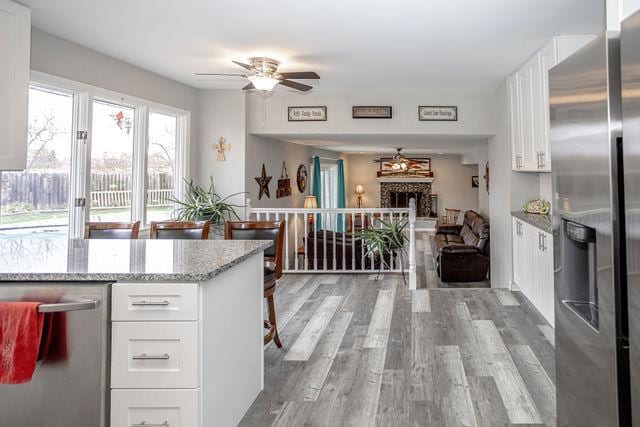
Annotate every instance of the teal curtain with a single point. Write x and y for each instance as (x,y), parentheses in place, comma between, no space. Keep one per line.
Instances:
(317,189)
(341,194)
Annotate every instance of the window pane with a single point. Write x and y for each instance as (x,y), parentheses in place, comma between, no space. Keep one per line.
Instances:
(111,162)
(34,203)
(161,159)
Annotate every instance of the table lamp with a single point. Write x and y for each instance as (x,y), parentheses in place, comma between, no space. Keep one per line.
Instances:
(310,202)
(359,193)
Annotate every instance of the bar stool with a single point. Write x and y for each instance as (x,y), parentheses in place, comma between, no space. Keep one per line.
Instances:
(190,230)
(111,230)
(264,230)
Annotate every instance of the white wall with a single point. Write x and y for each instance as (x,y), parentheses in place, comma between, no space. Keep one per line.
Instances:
(58,57)
(475,111)
(272,152)
(221,113)
(452,181)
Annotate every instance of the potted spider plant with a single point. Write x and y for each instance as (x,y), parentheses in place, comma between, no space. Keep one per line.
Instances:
(384,238)
(204,204)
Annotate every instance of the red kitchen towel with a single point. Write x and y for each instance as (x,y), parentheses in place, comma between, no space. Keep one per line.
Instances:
(20,334)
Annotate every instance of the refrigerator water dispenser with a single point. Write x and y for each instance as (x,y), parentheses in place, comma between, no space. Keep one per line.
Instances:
(580,291)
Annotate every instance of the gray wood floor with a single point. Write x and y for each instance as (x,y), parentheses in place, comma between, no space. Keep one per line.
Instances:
(362,352)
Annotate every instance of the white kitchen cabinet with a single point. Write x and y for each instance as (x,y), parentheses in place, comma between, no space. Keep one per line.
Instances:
(533,266)
(15,47)
(529,127)
(169,408)
(515,134)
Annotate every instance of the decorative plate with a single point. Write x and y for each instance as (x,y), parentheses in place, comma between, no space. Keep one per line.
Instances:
(301,178)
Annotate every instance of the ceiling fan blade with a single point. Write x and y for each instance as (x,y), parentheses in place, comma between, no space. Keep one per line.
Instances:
(248,87)
(296,85)
(221,74)
(300,75)
(245,66)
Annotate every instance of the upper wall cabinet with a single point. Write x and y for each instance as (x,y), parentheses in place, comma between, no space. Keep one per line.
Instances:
(528,92)
(15,47)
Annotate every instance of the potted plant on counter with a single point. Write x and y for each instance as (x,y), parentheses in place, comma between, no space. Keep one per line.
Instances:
(384,238)
(202,204)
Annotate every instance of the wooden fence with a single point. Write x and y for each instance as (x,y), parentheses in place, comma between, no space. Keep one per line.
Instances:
(44,191)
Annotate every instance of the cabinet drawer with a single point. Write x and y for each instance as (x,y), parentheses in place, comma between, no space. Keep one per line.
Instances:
(158,301)
(154,355)
(158,408)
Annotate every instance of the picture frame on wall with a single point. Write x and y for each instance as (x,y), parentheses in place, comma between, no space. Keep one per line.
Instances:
(475,181)
(431,113)
(307,114)
(372,112)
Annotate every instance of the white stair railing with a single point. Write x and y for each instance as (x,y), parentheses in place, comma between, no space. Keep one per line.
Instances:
(323,240)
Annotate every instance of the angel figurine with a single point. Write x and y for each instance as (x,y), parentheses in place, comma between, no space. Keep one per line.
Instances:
(221,147)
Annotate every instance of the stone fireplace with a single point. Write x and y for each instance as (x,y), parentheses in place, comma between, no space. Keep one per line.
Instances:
(396,194)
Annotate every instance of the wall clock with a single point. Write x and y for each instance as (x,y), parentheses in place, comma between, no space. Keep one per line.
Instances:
(301,178)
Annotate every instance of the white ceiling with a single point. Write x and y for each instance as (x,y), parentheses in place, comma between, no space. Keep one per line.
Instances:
(352,44)
(380,143)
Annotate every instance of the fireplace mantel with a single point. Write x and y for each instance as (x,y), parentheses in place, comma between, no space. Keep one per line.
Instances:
(404,179)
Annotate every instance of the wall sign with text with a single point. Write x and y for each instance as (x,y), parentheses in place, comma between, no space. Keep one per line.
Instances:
(437,114)
(307,114)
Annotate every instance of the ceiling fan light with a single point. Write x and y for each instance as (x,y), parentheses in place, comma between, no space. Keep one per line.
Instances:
(266,83)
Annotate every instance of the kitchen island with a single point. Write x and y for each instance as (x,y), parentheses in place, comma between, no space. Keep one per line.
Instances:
(156,332)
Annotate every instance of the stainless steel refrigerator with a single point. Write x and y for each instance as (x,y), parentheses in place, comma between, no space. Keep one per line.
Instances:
(630,62)
(592,369)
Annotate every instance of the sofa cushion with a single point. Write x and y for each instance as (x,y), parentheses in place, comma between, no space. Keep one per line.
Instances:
(468,236)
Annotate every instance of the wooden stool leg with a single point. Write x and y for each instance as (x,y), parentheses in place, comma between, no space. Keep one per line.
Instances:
(272,320)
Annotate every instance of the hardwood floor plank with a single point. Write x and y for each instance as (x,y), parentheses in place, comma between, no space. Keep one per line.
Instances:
(286,312)
(378,332)
(549,333)
(420,302)
(517,400)
(361,406)
(537,380)
(393,405)
(311,334)
(295,283)
(487,403)
(506,298)
(422,386)
(318,367)
(452,388)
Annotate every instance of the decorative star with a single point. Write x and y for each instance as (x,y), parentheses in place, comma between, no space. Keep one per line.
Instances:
(263,181)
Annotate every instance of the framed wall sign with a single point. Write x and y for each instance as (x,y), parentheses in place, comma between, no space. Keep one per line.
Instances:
(307,114)
(367,112)
(437,114)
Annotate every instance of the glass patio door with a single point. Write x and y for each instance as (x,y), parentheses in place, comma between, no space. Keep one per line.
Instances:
(34,203)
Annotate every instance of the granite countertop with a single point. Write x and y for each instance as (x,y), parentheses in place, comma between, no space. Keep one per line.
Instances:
(543,222)
(122,260)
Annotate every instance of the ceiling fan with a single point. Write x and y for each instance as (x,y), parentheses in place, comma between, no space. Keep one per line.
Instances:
(264,76)
(398,162)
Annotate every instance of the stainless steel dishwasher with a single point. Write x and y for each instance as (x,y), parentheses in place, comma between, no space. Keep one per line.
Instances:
(70,388)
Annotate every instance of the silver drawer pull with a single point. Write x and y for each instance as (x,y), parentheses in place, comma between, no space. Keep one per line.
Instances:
(151,303)
(68,306)
(144,424)
(145,356)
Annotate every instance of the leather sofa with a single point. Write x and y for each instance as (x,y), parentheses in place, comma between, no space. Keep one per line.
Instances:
(316,247)
(462,251)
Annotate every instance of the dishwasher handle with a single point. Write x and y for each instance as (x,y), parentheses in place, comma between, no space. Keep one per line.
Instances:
(68,306)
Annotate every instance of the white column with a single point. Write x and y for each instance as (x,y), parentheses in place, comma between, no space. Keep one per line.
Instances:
(412,244)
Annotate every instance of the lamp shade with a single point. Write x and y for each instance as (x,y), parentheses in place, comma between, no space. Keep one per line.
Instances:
(310,202)
(263,82)
(359,189)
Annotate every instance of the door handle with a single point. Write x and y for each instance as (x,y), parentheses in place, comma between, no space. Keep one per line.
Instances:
(145,356)
(150,303)
(540,241)
(542,160)
(68,306)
